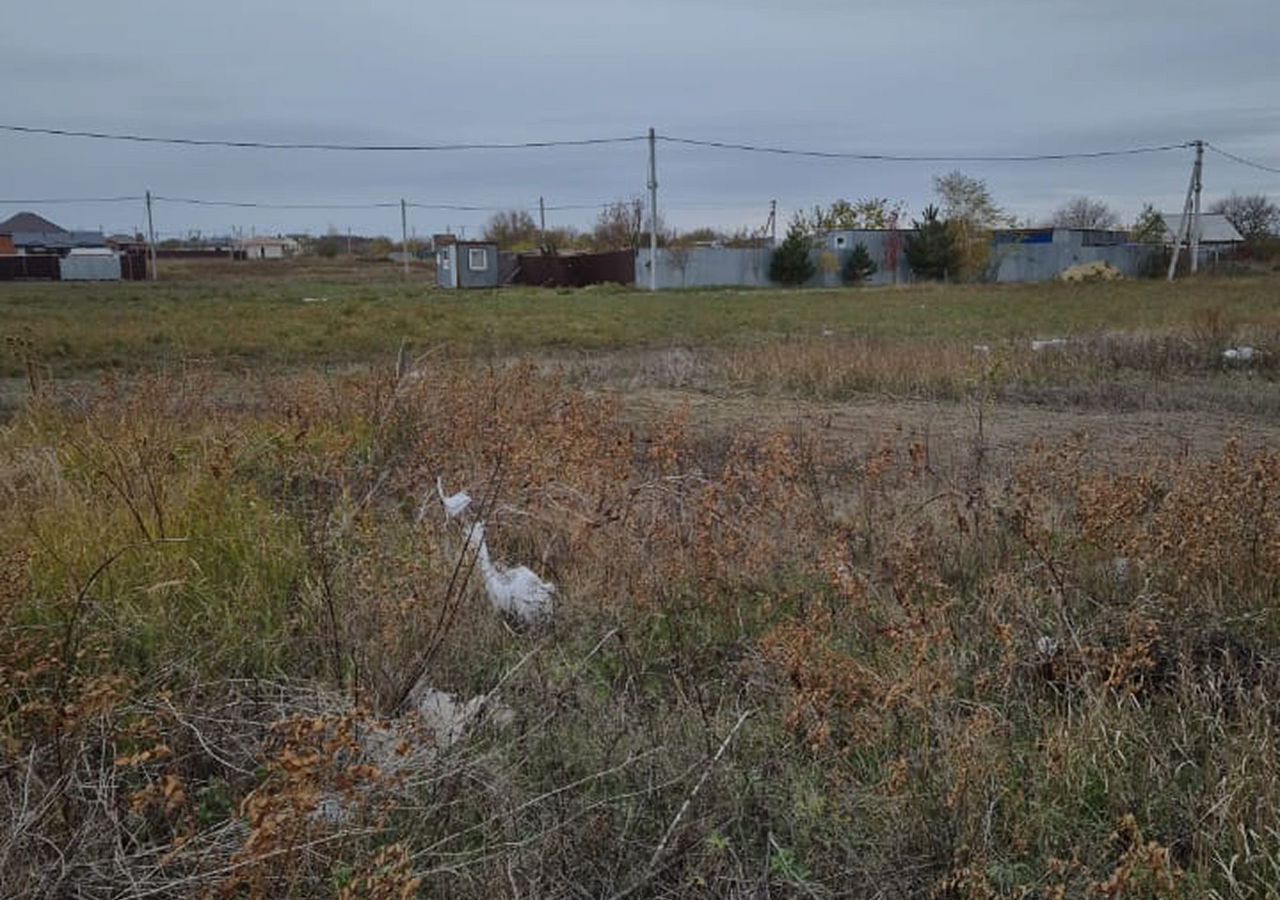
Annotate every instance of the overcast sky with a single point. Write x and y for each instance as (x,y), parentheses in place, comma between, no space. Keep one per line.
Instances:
(899,76)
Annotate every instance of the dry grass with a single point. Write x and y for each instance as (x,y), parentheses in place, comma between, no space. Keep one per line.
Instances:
(253,314)
(778,664)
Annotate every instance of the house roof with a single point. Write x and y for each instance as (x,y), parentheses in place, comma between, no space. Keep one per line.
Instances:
(267,242)
(58,240)
(1214,228)
(29,222)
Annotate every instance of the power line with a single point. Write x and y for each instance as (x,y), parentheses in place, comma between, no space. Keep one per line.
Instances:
(252,204)
(285,145)
(466,207)
(194,201)
(1240,159)
(588,142)
(895,157)
(52,200)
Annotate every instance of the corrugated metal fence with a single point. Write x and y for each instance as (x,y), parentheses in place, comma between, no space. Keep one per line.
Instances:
(41,266)
(577,270)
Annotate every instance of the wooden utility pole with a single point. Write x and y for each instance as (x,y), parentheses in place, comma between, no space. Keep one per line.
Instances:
(151,237)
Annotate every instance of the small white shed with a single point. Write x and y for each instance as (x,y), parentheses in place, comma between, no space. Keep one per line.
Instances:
(90,264)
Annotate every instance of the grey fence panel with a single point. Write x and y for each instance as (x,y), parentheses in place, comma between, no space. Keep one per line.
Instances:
(90,268)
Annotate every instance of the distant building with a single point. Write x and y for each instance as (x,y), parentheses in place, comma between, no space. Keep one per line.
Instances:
(1216,230)
(32,247)
(1043,254)
(466,264)
(267,247)
(33,234)
(886,246)
(30,222)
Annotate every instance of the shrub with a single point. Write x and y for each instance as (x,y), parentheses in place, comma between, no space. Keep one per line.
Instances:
(931,247)
(859,266)
(791,264)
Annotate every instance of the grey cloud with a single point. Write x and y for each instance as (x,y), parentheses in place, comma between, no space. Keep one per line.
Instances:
(925,76)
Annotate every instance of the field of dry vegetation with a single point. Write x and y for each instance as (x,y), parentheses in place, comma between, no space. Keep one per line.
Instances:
(847,607)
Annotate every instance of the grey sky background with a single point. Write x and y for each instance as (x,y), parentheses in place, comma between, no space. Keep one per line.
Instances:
(911,76)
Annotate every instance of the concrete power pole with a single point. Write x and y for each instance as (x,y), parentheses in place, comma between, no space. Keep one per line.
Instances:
(1196,178)
(653,210)
(542,225)
(1189,206)
(404,237)
(151,236)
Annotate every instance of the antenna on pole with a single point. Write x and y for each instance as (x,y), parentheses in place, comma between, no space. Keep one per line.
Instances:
(151,236)
(653,210)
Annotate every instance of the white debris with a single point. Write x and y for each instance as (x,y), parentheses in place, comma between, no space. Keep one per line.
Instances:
(827,332)
(436,721)
(1048,344)
(1047,646)
(982,348)
(518,592)
(1243,353)
(444,715)
(1120,567)
(454,504)
(331,809)
(1091,271)
(315,299)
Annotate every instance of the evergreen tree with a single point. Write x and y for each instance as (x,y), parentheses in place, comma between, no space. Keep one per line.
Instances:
(859,266)
(791,264)
(931,248)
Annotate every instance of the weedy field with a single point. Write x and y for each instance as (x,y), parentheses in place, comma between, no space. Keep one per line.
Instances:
(858,594)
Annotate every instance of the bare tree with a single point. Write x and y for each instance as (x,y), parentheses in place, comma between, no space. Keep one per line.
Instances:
(968,199)
(1253,215)
(1085,212)
(622,225)
(618,225)
(845,215)
(512,229)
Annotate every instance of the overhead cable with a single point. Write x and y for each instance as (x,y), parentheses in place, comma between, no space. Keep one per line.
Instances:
(303,145)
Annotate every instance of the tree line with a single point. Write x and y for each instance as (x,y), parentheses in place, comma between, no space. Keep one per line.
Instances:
(950,240)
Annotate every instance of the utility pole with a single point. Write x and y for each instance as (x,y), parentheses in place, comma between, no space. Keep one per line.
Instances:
(653,210)
(1196,177)
(348,240)
(542,225)
(1184,227)
(404,237)
(773,222)
(151,236)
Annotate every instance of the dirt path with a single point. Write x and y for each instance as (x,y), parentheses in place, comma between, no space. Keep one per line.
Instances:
(951,428)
